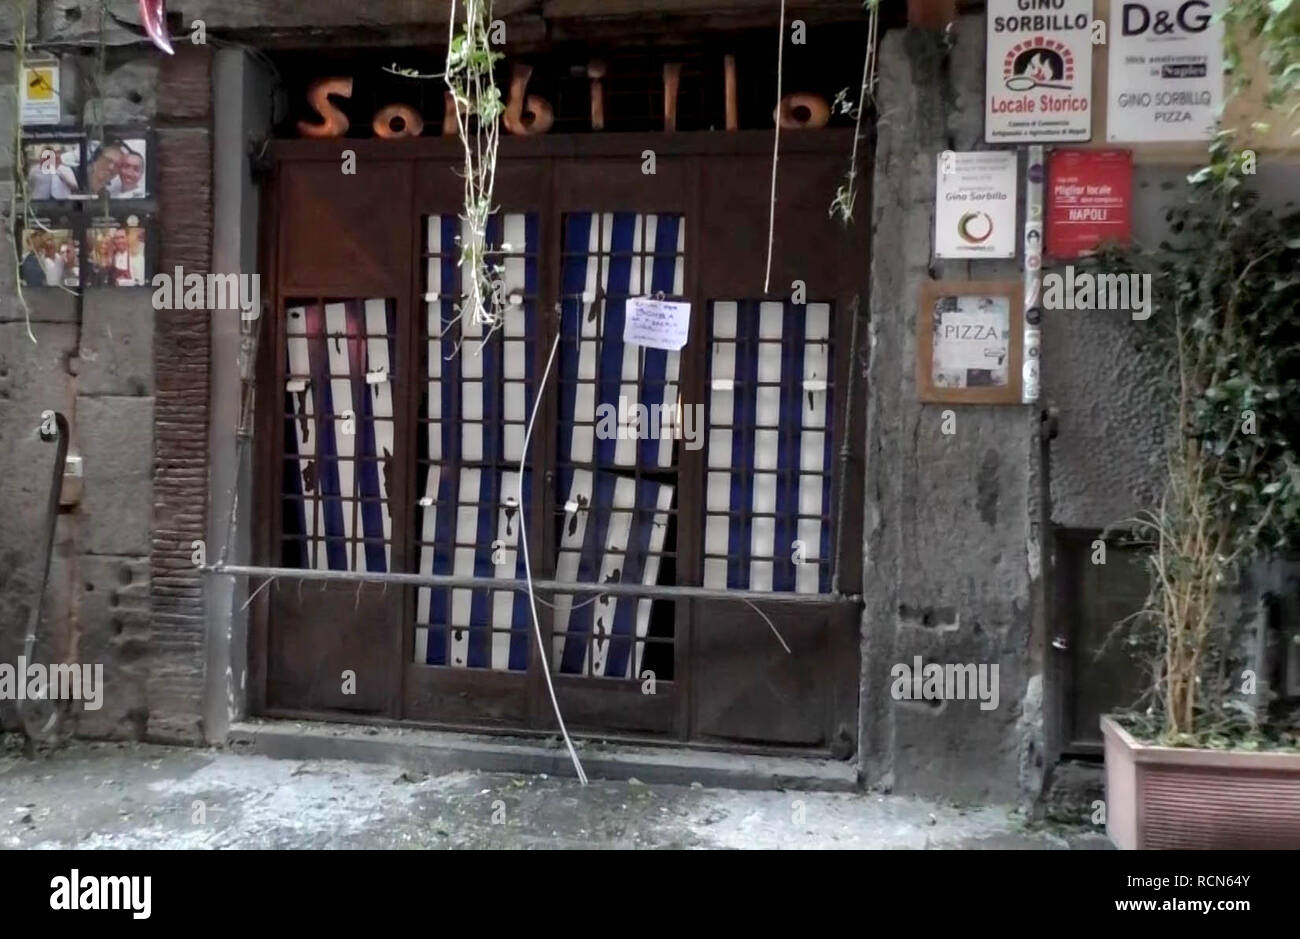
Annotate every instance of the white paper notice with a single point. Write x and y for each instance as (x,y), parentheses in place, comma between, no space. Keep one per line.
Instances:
(657,324)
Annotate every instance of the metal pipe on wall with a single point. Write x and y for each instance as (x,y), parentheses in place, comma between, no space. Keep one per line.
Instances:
(845,447)
(665,592)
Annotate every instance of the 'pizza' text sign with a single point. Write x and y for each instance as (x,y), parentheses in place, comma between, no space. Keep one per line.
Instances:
(1038,71)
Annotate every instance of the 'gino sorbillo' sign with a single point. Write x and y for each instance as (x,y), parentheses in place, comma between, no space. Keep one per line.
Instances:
(1038,71)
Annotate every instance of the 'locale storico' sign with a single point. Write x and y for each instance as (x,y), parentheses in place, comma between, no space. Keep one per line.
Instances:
(1038,74)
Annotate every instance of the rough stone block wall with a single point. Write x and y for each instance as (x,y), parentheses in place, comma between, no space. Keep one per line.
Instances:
(34,377)
(954,539)
(951,553)
(1108,460)
(133,384)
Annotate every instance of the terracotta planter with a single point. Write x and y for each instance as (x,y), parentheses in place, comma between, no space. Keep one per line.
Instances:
(1168,797)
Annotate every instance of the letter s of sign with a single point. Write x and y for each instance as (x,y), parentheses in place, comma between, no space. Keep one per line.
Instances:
(334,122)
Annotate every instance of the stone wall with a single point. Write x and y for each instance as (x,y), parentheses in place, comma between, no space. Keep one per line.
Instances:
(950,564)
(1107,461)
(133,384)
(959,539)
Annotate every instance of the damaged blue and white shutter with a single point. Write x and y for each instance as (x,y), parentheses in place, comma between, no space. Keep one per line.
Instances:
(435,500)
(614,524)
(341,434)
(479,394)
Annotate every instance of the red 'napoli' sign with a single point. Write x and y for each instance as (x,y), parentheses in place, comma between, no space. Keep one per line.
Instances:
(1089,200)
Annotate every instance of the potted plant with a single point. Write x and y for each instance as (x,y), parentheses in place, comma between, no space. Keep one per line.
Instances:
(1211,759)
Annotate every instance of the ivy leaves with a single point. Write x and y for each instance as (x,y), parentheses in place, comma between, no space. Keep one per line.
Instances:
(1275,25)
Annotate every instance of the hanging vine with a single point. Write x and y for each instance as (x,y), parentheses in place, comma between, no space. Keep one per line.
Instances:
(20,214)
(97,81)
(846,196)
(476,102)
(776,147)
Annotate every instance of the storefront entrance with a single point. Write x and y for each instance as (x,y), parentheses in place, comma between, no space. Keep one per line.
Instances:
(391,440)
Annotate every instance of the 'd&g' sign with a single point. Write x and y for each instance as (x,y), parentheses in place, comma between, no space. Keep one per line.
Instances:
(1166,69)
(1038,74)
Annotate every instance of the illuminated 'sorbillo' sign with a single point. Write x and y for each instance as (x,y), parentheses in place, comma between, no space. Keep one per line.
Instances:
(527,114)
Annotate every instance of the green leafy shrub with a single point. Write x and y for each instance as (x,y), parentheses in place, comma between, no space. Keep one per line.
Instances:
(1226,286)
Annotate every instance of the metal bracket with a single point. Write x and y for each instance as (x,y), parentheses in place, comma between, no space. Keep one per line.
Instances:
(1048,425)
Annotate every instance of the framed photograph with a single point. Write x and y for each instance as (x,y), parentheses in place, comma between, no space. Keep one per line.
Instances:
(119,252)
(121,165)
(51,253)
(54,166)
(970,342)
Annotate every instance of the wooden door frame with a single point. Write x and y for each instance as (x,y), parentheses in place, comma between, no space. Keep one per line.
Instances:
(548,153)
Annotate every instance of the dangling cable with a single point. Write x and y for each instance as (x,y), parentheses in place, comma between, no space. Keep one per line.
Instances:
(60,437)
(528,570)
(776,148)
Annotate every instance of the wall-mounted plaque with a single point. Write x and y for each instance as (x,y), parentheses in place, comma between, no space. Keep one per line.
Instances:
(1165,69)
(39,97)
(975,205)
(1038,71)
(1089,201)
(970,342)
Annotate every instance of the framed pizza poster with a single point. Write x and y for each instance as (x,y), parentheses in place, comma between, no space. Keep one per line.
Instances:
(970,342)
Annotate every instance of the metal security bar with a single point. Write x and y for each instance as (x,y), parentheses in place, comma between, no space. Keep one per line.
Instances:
(665,592)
